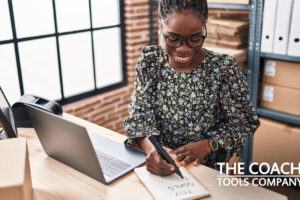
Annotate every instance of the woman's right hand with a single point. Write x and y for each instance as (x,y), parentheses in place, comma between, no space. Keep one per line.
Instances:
(157,165)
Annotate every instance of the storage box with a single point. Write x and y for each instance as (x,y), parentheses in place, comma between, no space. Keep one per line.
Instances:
(276,142)
(282,73)
(228,27)
(281,99)
(239,54)
(229,1)
(15,177)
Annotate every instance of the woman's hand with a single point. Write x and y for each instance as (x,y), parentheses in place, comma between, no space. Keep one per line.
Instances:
(154,162)
(194,152)
(157,165)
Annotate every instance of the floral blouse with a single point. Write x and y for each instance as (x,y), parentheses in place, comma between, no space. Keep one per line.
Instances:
(209,102)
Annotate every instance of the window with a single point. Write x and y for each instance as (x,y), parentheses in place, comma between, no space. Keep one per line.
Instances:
(62,50)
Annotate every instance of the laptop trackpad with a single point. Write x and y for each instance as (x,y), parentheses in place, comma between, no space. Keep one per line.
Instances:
(117,150)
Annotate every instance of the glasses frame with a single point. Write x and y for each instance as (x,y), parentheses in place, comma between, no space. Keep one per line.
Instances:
(181,39)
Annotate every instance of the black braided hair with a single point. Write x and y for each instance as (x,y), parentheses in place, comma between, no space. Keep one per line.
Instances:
(167,7)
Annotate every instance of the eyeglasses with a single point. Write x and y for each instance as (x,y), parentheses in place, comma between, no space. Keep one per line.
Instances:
(174,40)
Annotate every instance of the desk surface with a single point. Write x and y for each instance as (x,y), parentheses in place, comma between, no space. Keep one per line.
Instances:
(53,180)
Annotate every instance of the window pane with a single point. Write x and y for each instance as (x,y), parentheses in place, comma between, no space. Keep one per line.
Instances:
(108,59)
(5,26)
(9,75)
(77,65)
(72,15)
(40,68)
(33,17)
(105,13)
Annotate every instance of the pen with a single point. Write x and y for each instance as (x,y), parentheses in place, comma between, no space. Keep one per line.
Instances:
(164,154)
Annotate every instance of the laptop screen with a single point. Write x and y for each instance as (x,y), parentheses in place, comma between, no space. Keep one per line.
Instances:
(7,120)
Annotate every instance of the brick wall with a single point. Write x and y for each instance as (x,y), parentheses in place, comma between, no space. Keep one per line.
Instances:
(110,109)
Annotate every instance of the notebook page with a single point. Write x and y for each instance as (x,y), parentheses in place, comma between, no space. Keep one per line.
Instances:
(171,187)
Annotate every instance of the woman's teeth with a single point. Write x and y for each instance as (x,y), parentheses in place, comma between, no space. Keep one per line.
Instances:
(182,59)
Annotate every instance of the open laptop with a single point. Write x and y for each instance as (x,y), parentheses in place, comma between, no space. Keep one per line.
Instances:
(96,156)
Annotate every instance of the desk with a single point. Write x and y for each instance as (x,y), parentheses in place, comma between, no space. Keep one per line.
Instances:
(53,180)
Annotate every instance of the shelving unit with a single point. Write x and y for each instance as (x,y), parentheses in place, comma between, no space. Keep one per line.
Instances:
(257,64)
(246,153)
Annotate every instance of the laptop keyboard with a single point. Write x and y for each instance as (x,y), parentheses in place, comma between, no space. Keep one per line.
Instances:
(110,165)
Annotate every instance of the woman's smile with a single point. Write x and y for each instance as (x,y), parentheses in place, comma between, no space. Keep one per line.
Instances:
(182,59)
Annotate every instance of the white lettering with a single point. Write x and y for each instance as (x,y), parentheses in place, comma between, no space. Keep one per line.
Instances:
(262,182)
(282,168)
(271,182)
(230,168)
(293,180)
(298,180)
(250,168)
(219,181)
(279,180)
(295,168)
(241,168)
(275,168)
(234,180)
(221,164)
(285,182)
(245,181)
(253,181)
(228,181)
(261,168)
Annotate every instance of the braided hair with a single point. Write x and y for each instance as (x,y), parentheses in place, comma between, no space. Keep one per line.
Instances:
(167,7)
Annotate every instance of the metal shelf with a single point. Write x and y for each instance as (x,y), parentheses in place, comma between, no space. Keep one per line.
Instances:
(280,57)
(280,116)
(218,5)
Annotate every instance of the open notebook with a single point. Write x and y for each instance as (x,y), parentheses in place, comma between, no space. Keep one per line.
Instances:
(172,186)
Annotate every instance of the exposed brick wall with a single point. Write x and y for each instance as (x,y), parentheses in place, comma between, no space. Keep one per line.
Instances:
(110,109)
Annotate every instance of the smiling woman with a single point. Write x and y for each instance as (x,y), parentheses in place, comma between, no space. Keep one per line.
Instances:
(193,100)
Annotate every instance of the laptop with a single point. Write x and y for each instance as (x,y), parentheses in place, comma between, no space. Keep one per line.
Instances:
(94,155)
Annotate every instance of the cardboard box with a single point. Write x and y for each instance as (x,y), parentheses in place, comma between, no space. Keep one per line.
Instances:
(15,181)
(229,27)
(282,73)
(276,142)
(239,54)
(225,43)
(281,99)
(229,1)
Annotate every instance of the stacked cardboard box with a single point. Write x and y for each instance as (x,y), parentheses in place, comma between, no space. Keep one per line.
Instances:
(281,86)
(227,33)
(276,142)
(228,36)
(239,54)
(229,1)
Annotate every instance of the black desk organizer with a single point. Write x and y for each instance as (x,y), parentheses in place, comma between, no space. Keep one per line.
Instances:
(20,115)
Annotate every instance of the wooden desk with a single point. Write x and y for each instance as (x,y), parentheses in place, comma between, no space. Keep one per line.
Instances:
(53,180)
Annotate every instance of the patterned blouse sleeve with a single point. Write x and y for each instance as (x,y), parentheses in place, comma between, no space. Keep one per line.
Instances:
(141,122)
(239,118)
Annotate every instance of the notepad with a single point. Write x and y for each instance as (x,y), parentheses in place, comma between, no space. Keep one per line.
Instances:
(172,186)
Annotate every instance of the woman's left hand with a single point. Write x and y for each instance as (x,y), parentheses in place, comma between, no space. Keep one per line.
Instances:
(193,152)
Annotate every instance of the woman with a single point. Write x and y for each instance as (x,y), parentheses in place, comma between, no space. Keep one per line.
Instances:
(193,100)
